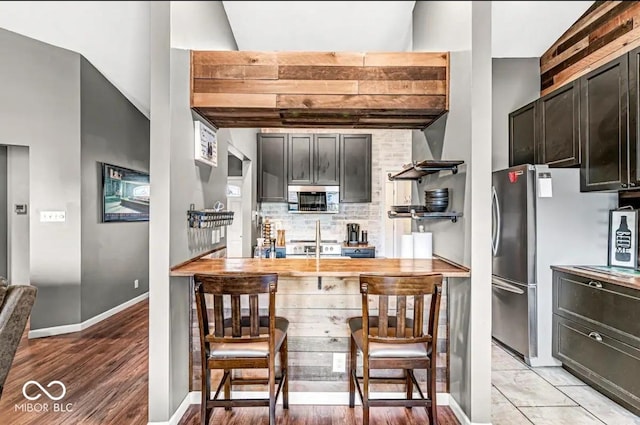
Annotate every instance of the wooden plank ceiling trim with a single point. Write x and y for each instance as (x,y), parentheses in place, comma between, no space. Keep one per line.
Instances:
(319,89)
(605,31)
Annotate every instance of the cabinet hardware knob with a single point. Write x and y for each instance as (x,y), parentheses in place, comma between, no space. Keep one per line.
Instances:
(632,184)
(595,284)
(596,336)
(623,185)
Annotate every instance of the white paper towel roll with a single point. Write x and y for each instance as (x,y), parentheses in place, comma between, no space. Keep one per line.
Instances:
(406,246)
(422,245)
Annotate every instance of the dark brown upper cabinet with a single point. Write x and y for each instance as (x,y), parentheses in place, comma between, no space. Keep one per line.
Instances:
(634,117)
(326,149)
(522,135)
(301,159)
(355,168)
(272,167)
(314,159)
(558,136)
(603,128)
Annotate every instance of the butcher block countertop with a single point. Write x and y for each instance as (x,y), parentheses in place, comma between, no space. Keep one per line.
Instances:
(622,279)
(337,267)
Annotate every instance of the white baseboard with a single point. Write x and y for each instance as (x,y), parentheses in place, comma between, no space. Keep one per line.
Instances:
(77,327)
(460,415)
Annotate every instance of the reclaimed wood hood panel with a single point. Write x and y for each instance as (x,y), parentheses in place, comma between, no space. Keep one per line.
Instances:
(607,30)
(320,89)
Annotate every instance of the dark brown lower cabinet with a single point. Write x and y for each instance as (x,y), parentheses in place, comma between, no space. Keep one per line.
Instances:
(596,335)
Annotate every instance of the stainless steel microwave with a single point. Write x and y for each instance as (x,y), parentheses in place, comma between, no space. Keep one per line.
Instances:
(314,199)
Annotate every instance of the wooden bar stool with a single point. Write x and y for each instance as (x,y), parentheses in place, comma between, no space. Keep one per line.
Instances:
(396,341)
(240,340)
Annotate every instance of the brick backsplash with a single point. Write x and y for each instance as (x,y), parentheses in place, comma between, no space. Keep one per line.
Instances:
(390,149)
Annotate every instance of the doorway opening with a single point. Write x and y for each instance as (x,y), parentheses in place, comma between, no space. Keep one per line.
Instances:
(239,200)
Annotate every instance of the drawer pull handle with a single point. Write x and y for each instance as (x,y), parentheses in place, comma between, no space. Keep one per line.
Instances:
(596,336)
(595,284)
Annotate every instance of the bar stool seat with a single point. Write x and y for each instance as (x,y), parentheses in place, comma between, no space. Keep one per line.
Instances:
(250,349)
(388,350)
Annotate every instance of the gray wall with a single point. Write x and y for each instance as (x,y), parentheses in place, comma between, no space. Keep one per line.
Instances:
(4,252)
(40,108)
(191,183)
(18,193)
(113,254)
(515,82)
(450,138)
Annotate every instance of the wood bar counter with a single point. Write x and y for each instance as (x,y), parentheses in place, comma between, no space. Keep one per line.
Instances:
(336,267)
(317,297)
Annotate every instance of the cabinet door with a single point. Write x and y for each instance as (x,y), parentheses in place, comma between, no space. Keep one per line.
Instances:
(355,168)
(522,135)
(326,149)
(559,135)
(301,164)
(603,127)
(272,167)
(634,117)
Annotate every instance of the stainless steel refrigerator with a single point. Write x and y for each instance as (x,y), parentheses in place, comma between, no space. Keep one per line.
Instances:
(540,218)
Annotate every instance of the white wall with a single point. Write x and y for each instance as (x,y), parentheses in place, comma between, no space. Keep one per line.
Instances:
(113,36)
(516,82)
(442,26)
(18,225)
(193,26)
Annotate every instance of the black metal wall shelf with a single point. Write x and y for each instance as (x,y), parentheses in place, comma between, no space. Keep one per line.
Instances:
(417,170)
(453,216)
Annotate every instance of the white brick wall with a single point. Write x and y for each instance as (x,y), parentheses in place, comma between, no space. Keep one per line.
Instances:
(389,151)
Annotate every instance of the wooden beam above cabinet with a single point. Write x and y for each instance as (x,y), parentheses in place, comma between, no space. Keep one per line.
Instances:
(320,89)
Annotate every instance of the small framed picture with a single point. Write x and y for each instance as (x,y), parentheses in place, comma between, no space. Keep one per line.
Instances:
(623,238)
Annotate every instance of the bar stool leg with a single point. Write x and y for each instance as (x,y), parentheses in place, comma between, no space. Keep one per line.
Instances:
(433,417)
(353,359)
(205,412)
(365,392)
(284,372)
(407,373)
(272,392)
(227,387)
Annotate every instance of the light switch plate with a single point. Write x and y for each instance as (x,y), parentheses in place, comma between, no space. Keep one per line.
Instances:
(53,216)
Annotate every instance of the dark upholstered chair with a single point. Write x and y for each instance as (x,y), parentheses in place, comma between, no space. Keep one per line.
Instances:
(15,306)
(396,341)
(240,339)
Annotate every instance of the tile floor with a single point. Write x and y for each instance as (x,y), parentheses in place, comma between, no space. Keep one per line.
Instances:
(521,395)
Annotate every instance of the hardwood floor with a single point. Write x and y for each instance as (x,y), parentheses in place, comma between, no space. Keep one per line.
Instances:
(104,369)
(320,415)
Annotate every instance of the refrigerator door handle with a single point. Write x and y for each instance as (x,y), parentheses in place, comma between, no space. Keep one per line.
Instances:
(505,286)
(495,241)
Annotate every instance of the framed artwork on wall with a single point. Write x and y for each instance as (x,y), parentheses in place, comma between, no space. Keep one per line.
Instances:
(623,238)
(206,144)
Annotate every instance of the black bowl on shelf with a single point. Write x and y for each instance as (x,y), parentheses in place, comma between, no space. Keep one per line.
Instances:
(437,207)
(437,193)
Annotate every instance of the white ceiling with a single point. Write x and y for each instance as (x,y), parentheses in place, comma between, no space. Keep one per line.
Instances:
(520,28)
(529,28)
(113,36)
(357,26)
